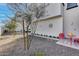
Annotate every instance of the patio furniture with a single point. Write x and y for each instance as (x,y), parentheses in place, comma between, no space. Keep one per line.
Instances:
(61,36)
(70,35)
(76,39)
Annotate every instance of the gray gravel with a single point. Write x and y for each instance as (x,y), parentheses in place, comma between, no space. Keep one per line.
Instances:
(50,48)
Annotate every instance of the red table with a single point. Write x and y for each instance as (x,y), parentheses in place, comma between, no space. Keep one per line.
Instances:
(76,39)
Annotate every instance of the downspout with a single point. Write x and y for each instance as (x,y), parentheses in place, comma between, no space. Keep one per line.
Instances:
(62,7)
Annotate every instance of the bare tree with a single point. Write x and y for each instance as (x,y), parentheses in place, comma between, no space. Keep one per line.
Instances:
(28,12)
(38,12)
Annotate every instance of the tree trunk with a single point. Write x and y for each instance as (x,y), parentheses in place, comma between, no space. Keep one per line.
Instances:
(28,40)
(24,36)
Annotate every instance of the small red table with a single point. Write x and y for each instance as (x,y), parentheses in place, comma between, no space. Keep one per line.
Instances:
(76,39)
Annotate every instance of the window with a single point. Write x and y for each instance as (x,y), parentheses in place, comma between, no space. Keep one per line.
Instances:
(50,25)
(71,5)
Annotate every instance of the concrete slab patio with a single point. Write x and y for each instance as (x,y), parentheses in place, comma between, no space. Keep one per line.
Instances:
(66,42)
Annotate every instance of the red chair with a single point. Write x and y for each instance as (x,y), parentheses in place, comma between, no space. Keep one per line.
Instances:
(76,40)
(70,35)
(61,36)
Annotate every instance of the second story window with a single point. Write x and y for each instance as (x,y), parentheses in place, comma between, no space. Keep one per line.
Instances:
(71,5)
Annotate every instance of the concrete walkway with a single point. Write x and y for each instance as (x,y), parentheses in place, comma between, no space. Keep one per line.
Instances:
(4,40)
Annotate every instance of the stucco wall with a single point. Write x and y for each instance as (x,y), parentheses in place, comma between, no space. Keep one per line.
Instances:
(53,9)
(43,26)
(71,20)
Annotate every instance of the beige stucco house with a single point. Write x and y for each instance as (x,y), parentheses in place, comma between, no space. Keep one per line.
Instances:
(58,18)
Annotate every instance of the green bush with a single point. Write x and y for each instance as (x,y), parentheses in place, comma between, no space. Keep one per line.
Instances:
(39,53)
(50,36)
(54,37)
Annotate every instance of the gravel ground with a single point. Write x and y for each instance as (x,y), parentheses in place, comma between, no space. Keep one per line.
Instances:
(50,48)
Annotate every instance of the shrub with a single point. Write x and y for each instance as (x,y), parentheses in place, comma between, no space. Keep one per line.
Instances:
(39,53)
(50,36)
(46,35)
(54,37)
(41,34)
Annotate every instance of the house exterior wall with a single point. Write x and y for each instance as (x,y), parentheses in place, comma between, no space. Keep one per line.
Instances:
(71,20)
(53,15)
(54,11)
(43,26)
(68,20)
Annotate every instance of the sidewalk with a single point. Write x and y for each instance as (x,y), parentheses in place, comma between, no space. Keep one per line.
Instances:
(8,39)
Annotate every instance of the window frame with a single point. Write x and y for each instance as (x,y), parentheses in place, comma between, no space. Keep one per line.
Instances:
(72,6)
